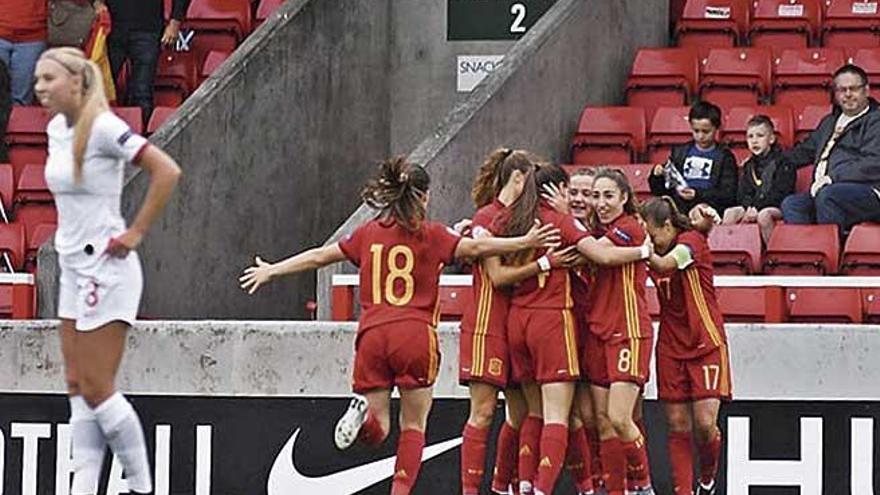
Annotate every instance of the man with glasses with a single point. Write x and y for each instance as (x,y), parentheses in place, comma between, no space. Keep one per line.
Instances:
(846,150)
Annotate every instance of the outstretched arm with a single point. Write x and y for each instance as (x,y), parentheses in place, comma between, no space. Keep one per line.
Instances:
(263,272)
(603,252)
(506,275)
(539,236)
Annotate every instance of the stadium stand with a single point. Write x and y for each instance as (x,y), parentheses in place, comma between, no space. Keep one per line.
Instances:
(803,77)
(861,252)
(808,118)
(780,24)
(850,23)
(736,77)
(736,249)
(176,78)
(662,77)
(669,127)
(609,135)
(736,120)
(802,250)
(706,24)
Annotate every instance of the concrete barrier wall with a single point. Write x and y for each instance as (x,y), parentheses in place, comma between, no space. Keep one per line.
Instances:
(805,362)
(578,53)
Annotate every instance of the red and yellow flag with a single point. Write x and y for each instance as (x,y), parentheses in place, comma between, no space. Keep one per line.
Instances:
(96,50)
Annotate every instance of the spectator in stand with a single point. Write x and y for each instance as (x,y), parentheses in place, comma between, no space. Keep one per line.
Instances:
(139,31)
(702,171)
(23,31)
(5,109)
(766,180)
(846,150)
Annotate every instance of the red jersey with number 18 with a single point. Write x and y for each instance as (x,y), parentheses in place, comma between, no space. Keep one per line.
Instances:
(399,270)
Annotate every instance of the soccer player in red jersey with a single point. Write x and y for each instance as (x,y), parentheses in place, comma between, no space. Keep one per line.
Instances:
(619,345)
(400,255)
(693,370)
(541,331)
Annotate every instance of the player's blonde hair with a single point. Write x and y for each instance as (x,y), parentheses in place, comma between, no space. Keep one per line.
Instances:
(94,99)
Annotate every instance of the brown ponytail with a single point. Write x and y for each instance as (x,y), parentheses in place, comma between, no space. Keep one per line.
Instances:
(94,99)
(398,191)
(495,173)
(658,210)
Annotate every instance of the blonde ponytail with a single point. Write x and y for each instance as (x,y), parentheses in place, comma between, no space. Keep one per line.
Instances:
(94,99)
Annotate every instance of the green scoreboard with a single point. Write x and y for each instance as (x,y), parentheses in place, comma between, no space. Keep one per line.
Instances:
(476,20)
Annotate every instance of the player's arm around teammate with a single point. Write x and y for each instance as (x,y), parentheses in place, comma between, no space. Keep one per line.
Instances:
(693,374)
(100,283)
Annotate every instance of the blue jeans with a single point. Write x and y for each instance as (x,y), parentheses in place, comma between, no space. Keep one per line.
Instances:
(141,49)
(844,204)
(21,58)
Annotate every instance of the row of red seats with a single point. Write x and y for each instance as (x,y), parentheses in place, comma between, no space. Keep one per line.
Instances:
(180,73)
(732,77)
(26,199)
(22,246)
(620,135)
(778,24)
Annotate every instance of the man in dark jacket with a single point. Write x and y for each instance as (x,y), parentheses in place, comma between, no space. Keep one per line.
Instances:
(138,32)
(707,166)
(846,150)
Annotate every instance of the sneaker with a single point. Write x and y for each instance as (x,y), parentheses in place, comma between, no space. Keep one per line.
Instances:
(706,489)
(641,491)
(526,488)
(349,425)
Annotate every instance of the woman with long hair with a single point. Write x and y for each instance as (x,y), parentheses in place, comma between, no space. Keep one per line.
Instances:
(541,330)
(101,283)
(400,255)
(693,366)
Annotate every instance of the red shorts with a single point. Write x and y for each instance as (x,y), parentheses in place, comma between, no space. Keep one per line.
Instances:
(402,353)
(582,336)
(704,377)
(543,346)
(621,360)
(483,358)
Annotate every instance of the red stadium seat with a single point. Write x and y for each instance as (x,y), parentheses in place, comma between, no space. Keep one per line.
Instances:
(609,135)
(712,23)
(26,135)
(851,23)
(736,77)
(41,234)
(861,253)
(824,305)
(807,120)
(804,179)
(32,186)
(160,115)
(669,127)
(265,9)
(12,242)
(779,24)
(802,250)
(741,304)
(736,249)
(176,78)
(219,25)
(637,174)
(7,186)
(736,120)
(803,77)
(213,60)
(454,301)
(133,116)
(34,214)
(869,60)
(662,77)
(871,304)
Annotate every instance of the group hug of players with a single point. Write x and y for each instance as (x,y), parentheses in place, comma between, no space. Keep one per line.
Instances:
(559,323)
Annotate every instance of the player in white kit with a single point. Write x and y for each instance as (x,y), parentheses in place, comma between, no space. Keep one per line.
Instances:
(101,281)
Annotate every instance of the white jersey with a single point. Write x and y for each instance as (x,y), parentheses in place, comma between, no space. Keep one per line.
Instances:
(89,211)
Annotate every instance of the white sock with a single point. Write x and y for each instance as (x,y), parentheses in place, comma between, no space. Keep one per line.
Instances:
(125,435)
(87,447)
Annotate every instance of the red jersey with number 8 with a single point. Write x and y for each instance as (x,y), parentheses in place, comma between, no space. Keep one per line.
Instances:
(399,270)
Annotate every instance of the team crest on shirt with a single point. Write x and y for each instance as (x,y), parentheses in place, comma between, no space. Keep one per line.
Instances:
(124,137)
(495,366)
(622,235)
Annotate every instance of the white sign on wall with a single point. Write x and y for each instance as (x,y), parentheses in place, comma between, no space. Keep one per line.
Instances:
(471,69)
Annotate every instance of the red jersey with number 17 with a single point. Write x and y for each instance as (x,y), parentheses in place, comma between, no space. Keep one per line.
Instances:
(618,307)
(690,320)
(399,270)
(488,311)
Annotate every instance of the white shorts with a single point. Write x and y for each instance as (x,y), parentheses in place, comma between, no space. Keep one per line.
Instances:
(99,292)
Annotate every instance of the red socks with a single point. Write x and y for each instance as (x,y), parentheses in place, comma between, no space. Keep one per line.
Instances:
(637,463)
(614,463)
(710,453)
(578,460)
(681,460)
(409,460)
(529,438)
(554,441)
(506,455)
(596,456)
(473,458)
(371,432)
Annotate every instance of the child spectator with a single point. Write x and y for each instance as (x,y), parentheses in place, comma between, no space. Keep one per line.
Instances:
(766,180)
(702,171)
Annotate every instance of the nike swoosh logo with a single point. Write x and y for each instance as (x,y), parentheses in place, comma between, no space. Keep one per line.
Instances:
(285,479)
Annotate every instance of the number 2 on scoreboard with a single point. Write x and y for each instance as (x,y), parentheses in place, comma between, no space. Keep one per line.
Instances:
(518,10)
(395,272)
